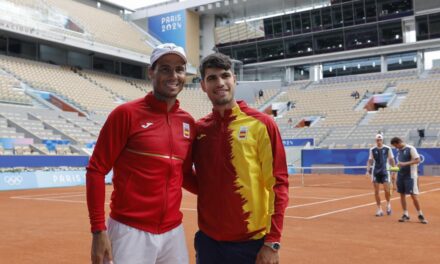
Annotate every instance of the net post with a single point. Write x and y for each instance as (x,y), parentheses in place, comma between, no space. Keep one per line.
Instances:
(302,177)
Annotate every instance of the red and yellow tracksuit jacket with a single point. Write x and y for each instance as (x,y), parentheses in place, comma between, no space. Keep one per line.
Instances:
(147,147)
(241,176)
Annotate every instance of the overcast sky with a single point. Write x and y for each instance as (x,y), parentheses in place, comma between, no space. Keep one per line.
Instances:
(134,4)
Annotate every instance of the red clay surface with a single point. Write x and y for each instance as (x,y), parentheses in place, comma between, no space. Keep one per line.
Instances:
(323,224)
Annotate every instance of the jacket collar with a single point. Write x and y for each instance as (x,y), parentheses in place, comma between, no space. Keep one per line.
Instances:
(231,112)
(158,105)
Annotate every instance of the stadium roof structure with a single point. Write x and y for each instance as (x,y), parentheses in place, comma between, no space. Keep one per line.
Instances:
(114,4)
(233,9)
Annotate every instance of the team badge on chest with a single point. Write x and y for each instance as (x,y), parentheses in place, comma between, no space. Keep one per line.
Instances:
(242,133)
(186,130)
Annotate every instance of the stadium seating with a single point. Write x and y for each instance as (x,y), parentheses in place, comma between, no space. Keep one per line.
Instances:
(88,125)
(143,85)
(70,130)
(237,32)
(11,92)
(117,85)
(63,82)
(107,28)
(195,102)
(100,26)
(338,120)
(8,132)
(267,95)
(33,128)
(53,132)
(420,105)
(339,123)
(337,102)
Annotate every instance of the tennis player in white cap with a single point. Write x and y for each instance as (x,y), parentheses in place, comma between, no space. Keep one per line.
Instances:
(379,161)
(147,143)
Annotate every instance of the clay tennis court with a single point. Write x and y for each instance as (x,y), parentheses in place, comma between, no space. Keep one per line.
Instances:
(330,219)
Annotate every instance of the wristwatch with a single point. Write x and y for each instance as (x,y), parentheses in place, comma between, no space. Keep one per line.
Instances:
(97,232)
(275,246)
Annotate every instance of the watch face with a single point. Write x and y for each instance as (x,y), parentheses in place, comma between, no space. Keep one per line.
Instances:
(276,246)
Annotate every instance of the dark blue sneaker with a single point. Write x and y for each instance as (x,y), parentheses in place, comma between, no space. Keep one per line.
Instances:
(404,218)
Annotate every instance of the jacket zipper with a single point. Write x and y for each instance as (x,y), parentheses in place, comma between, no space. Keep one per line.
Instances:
(222,149)
(170,138)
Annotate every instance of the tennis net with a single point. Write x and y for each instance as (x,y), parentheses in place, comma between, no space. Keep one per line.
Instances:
(348,177)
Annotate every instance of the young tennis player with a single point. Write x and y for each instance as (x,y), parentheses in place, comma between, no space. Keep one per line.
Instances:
(241,174)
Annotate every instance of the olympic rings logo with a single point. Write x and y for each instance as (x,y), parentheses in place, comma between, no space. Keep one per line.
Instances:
(13,180)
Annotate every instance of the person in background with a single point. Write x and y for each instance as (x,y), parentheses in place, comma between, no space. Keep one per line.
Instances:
(381,158)
(407,178)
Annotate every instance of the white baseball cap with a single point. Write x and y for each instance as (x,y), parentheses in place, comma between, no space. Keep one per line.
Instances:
(379,136)
(167,48)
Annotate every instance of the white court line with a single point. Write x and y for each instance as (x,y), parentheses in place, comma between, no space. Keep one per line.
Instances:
(50,194)
(45,195)
(52,198)
(328,201)
(56,199)
(329,184)
(73,201)
(65,196)
(188,209)
(295,217)
(49,199)
(309,197)
(359,206)
(345,198)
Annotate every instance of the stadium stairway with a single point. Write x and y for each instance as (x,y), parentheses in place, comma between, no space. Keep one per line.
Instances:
(368,116)
(96,83)
(270,101)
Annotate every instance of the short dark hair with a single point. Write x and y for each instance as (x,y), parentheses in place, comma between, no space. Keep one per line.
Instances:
(396,140)
(215,60)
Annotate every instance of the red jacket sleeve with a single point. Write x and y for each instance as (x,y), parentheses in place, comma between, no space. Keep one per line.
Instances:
(111,141)
(280,185)
(189,175)
(189,179)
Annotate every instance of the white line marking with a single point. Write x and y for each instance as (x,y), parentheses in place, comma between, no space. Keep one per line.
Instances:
(73,201)
(328,201)
(45,195)
(309,197)
(65,196)
(51,197)
(329,184)
(343,198)
(295,217)
(52,194)
(188,209)
(360,206)
(49,200)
